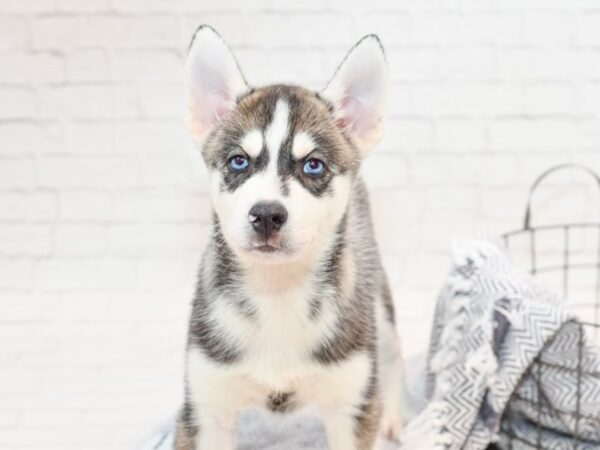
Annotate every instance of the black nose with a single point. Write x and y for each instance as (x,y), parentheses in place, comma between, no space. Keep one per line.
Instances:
(267,217)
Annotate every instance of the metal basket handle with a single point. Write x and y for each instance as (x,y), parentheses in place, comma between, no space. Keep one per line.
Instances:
(542,177)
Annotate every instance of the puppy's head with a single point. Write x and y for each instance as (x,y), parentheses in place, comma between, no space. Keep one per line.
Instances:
(282,159)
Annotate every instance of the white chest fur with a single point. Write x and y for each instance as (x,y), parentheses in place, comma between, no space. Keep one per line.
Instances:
(279,337)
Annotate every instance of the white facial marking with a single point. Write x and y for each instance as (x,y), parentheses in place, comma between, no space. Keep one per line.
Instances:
(278,129)
(303,145)
(252,142)
(265,186)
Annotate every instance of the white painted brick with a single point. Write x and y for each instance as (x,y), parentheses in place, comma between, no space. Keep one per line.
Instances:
(25,307)
(296,30)
(151,137)
(435,28)
(395,204)
(28,7)
(533,135)
(142,65)
(85,275)
(542,64)
(503,203)
(89,102)
(86,205)
(460,135)
(386,170)
(587,28)
(86,6)
(16,173)
(13,33)
(78,306)
(54,420)
(162,100)
(589,157)
(469,63)
(414,63)
(441,228)
(589,135)
(160,31)
(67,32)
(26,138)
(460,98)
(145,6)
(231,25)
(427,271)
(21,68)
(490,170)
(17,103)
(550,98)
(89,138)
(162,205)
(392,28)
(442,169)
(9,419)
(17,274)
(81,172)
(496,27)
(87,65)
(588,98)
(163,274)
(549,28)
(304,5)
(80,240)
(157,240)
(38,206)
(159,170)
(407,135)
(60,31)
(360,7)
(452,198)
(400,100)
(25,240)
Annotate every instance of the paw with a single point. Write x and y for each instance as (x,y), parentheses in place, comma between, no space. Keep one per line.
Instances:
(383,444)
(391,426)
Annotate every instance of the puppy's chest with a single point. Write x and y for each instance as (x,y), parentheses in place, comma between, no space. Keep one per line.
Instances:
(277,340)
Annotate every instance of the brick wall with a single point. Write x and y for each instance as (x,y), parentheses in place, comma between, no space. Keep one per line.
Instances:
(103,200)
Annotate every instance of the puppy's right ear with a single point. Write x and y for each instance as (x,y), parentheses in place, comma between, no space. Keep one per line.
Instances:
(213,81)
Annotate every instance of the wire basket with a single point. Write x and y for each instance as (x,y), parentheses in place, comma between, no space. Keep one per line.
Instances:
(562,254)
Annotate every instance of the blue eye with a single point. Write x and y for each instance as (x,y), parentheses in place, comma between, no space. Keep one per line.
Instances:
(314,167)
(238,163)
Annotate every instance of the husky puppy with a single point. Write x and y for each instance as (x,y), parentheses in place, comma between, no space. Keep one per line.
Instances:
(292,306)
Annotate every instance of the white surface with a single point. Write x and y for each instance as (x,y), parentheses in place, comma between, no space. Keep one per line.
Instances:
(103,207)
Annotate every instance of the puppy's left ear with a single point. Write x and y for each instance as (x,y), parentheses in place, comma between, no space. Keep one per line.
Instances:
(358,92)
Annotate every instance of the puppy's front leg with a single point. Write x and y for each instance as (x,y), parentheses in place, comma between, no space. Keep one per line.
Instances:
(216,394)
(217,433)
(346,392)
(340,432)
(205,431)
(354,432)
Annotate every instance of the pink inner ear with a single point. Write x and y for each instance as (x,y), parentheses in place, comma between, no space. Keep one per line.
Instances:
(222,104)
(349,114)
(221,111)
(346,108)
(341,123)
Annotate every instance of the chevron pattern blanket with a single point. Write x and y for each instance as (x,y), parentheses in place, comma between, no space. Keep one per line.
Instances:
(493,324)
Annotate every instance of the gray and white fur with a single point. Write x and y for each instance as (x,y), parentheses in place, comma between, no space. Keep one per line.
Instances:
(292,306)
